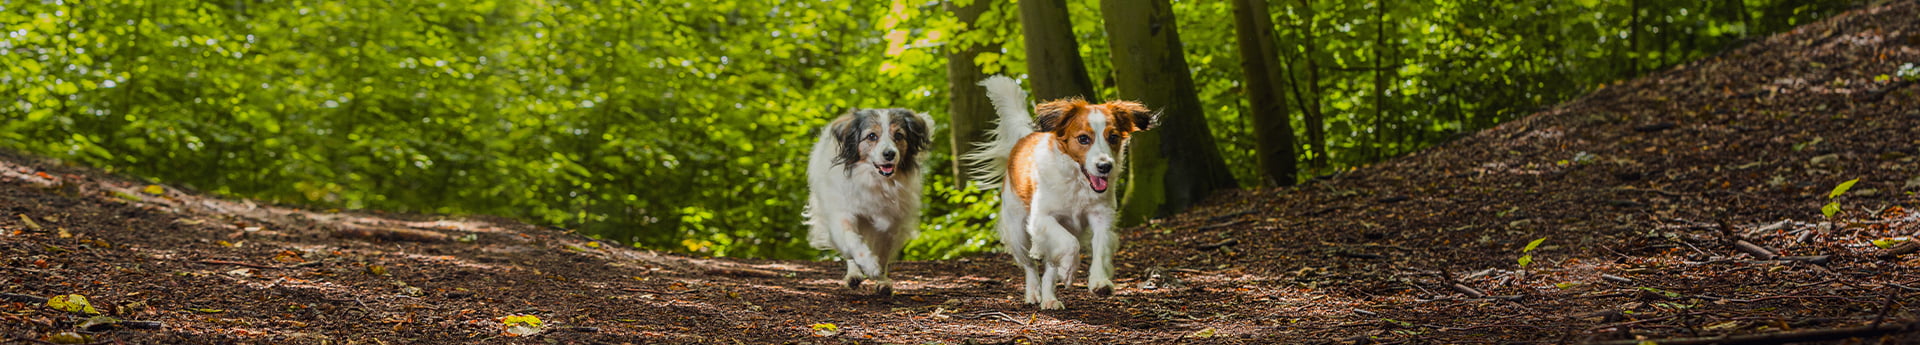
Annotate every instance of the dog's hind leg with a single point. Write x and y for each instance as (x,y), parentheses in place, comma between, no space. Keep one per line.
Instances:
(1013,235)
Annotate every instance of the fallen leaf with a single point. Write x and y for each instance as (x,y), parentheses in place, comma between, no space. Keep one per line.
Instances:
(69,338)
(207,310)
(377,270)
(522,325)
(154,189)
(826,329)
(72,304)
(30,223)
(1204,333)
(1885,243)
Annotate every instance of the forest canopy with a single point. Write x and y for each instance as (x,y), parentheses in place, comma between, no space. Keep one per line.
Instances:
(684,125)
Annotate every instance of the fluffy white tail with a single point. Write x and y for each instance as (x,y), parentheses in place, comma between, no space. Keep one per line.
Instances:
(989,161)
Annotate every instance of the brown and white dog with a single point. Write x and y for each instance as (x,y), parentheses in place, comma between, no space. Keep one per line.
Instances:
(1053,182)
(864,179)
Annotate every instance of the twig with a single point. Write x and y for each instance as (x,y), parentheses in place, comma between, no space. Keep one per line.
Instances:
(237,263)
(1469,291)
(1777,337)
(742,272)
(1753,249)
(348,230)
(28,299)
(1217,245)
(1903,249)
(656,292)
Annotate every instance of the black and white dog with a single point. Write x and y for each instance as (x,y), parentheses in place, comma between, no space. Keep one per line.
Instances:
(864,178)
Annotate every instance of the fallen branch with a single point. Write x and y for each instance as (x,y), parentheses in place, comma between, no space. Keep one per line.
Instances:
(657,292)
(1778,337)
(101,327)
(237,263)
(348,230)
(1217,245)
(28,299)
(1756,250)
(742,272)
(1904,248)
(1469,291)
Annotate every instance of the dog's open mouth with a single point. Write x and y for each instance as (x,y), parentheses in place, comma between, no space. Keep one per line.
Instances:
(885,169)
(1099,183)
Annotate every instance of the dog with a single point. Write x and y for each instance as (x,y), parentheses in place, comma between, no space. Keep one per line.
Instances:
(1053,182)
(864,179)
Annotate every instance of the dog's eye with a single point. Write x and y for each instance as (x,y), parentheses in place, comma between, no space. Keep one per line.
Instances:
(1086,140)
(897,135)
(873,137)
(1113,138)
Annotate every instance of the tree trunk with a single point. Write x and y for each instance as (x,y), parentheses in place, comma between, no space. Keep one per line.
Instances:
(1272,129)
(1053,54)
(1178,163)
(968,107)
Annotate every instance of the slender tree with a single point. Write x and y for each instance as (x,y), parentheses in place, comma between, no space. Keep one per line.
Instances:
(1308,98)
(1178,163)
(1273,131)
(1380,126)
(1053,54)
(968,106)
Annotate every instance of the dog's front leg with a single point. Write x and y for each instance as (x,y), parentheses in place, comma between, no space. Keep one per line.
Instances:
(1100,274)
(853,249)
(1057,250)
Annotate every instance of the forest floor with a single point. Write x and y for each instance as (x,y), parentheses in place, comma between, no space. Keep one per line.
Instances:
(1644,191)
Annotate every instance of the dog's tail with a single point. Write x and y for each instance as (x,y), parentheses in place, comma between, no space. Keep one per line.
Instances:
(989,161)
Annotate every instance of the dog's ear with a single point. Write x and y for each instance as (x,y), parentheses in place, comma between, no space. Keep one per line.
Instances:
(1053,116)
(1133,116)
(847,129)
(917,131)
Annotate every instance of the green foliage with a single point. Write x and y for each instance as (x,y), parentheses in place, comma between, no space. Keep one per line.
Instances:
(1527,259)
(684,125)
(1833,207)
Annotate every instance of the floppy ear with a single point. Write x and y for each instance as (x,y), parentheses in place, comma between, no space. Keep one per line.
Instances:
(1133,115)
(847,129)
(1053,115)
(917,131)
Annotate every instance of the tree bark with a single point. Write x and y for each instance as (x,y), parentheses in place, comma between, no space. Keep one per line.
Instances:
(1272,129)
(1177,163)
(1053,54)
(968,107)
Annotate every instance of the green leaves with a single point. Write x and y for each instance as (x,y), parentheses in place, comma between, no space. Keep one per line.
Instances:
(1833,207)
(1842,188)
(1528,258)
(76,304)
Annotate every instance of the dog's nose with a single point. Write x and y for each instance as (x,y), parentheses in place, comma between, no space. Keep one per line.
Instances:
(888,154)
(1104,167)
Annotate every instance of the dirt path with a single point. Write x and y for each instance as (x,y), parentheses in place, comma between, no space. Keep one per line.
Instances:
(1641,191)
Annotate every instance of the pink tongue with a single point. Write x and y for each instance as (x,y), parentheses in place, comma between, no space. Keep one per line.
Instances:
(888,170)
(1099,183)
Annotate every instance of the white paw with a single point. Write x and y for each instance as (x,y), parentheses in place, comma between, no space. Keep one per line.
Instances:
(1052,305)
(1102,288)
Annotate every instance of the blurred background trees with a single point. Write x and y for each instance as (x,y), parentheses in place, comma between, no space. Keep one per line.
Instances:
(683,125)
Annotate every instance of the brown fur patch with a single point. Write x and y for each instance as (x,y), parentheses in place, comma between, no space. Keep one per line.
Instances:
(1062,123)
